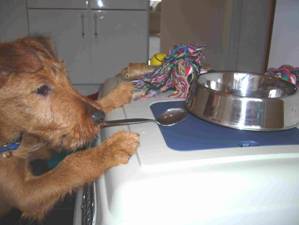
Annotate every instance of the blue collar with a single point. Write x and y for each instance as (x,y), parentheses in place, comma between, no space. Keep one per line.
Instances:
(10,146)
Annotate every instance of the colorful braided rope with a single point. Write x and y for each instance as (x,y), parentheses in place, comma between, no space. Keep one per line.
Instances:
(181,65)
(285,72)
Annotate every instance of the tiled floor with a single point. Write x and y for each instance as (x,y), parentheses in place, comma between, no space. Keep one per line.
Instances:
(62,214)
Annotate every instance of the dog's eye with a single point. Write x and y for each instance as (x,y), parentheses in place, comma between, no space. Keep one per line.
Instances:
(43,90)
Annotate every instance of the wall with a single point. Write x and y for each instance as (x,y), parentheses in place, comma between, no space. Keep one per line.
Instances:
(285,37)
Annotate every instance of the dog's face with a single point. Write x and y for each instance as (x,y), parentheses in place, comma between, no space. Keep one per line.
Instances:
(36,96)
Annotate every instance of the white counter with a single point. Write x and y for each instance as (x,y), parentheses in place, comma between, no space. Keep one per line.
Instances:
(161,186)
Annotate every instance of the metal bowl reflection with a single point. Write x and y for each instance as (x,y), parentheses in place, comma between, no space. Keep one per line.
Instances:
(244,101)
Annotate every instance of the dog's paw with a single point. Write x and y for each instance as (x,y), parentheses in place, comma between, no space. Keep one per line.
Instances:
(125,92)
(119,96)
(120,147)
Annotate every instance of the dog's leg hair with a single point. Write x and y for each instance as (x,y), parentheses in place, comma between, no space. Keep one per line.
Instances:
(118,97)
(40,193)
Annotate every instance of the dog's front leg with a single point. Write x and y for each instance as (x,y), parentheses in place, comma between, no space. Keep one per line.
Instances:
(40,193)
(118,97)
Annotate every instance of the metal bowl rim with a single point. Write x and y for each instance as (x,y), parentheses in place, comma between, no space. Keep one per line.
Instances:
(246,97)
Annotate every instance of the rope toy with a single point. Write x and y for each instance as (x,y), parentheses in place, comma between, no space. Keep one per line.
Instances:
(182,64)
(285,72)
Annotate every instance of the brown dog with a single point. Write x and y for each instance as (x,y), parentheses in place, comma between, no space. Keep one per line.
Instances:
(39,106)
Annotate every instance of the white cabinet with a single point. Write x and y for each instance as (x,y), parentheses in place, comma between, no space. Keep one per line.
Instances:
(68,30)
(118,4)
(94,4)
(118,38)
(58,4)
(13,23)
(95,44)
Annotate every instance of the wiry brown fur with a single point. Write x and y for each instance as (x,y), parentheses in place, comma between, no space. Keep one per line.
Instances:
(60,119)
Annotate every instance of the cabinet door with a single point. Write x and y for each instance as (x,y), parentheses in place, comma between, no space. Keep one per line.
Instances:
(13,23)
(58,4)
(119,37)
(117,4)
(69,30)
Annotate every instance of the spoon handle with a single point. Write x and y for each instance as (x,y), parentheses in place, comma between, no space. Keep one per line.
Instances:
(111,123)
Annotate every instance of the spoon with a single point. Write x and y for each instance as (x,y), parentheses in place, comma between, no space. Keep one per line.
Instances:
(168,118)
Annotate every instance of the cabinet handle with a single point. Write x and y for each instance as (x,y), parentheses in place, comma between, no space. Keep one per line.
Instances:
(82,25)
(95,18)
(86,2)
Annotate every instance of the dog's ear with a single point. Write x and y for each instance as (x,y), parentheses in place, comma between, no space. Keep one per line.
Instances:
(17,58)
(41,45)
(24,55)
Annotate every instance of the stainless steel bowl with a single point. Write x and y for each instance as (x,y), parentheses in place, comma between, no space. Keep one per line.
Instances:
(244,101)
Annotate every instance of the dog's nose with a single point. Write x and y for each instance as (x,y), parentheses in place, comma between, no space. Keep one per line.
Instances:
(98,116)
